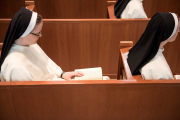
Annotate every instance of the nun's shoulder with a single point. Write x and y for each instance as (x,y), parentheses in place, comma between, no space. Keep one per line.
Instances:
(15,57)
(135,4)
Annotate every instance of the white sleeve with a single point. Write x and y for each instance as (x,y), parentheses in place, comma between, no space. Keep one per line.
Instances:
(51,64)
(146,75)
(20,74)
(137,14)
(55,68)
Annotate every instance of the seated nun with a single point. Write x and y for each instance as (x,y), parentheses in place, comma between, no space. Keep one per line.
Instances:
(129,9)
(22,59)
(146,56)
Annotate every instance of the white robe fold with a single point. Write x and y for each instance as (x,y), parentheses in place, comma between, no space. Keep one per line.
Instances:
(157,68)
(134,9)
(29,64)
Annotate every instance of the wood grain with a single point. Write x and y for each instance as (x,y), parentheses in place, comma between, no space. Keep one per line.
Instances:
(9,7)
(83,43)
(72,9)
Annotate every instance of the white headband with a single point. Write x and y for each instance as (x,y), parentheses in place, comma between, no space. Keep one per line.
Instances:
(31,25)
(176,24)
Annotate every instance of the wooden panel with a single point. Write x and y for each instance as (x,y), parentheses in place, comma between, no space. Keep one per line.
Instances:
(7,110)
(84,43)
(72,9)
(95,101)
(9,7)
(153,6)
(75,44)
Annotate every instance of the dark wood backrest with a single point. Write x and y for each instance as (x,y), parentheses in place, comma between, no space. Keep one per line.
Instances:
(72,9)
(9,7)
(90,100)
(85,43)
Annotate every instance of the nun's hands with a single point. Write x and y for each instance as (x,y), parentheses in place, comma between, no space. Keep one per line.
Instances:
(70,75)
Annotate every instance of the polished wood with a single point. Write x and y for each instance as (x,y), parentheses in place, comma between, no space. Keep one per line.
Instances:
(122,60)
(111,2)
(96,100)
(72,9)
(9,7)
(84,43)
(111,12)
(153,6)
(7,109)
(30,5)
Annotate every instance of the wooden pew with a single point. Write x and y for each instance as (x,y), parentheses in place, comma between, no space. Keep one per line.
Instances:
(9,7)
(72,9)
(91,100)
(7,109)
(84,43)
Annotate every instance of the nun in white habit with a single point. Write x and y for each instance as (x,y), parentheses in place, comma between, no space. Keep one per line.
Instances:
(146,57)
(129,9)
(22,59)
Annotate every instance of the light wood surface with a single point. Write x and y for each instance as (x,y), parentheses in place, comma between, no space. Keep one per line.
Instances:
(91,100)
(111,12)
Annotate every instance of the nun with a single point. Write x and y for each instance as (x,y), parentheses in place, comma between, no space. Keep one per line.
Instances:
(129,9)
(146,56)
(22,59)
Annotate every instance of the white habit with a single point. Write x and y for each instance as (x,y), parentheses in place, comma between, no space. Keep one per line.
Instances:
(134,9)
(29,64)
(157,68)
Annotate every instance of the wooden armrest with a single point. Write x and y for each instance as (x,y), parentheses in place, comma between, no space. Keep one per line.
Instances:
(1,44)
(111,12)
(109,3)
(125,44)
(123,66)
(30,5)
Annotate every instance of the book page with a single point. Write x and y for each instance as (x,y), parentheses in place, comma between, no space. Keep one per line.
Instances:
(177,77)
(90,74)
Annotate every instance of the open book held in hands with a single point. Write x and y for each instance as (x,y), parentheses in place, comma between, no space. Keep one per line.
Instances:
(90,74)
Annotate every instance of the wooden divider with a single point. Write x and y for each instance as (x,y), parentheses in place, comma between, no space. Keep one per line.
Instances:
(72,9)
(84,43)
(91,100)
(7,109)
(9,7)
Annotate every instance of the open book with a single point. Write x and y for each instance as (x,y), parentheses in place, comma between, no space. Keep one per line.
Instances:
(177,77)
(90,74)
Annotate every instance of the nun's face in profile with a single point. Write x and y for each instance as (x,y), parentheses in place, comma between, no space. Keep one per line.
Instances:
(33,37)
(173,38)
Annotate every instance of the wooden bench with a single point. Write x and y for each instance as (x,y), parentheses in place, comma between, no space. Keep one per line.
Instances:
(84,43)
(90,100)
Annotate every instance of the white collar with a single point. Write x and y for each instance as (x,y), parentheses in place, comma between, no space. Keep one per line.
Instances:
(19,48)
